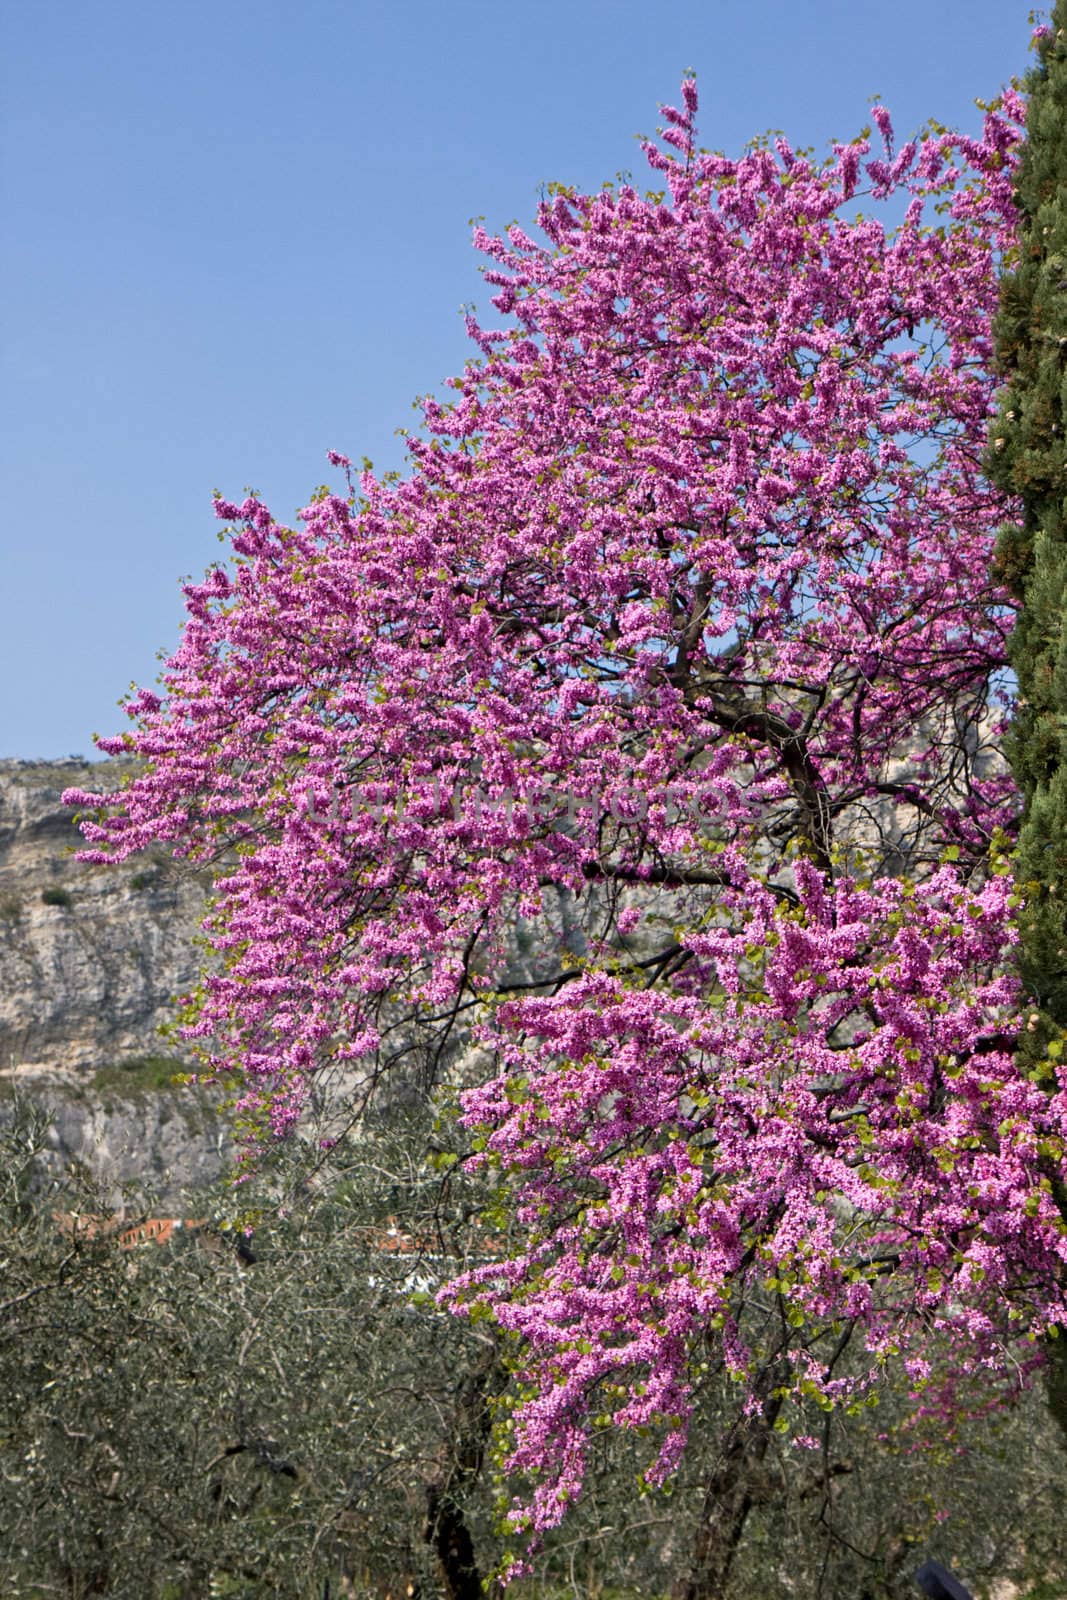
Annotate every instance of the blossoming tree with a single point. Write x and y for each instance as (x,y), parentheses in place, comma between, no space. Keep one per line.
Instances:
(685,611)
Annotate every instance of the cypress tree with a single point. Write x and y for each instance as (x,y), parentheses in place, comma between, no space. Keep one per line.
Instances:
(1028,458)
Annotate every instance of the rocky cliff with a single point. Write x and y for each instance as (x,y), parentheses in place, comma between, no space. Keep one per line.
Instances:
(91,959)
(91,962)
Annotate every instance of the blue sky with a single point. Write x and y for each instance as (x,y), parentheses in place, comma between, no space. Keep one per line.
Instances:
(237,235)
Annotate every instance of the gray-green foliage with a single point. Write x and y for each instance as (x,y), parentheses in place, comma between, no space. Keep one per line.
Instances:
(181,1422)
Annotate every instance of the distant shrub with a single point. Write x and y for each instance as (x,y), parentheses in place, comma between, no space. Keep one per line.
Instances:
(144,880)
(10,907)
(140,1074)
(57,897)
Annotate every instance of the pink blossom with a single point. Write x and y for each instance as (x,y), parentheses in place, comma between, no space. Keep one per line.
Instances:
(696,561)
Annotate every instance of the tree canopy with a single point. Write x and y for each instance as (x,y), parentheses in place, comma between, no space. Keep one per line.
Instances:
(683,616)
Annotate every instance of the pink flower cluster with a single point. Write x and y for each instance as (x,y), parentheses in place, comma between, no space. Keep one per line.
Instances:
(704,518)
(826,1111)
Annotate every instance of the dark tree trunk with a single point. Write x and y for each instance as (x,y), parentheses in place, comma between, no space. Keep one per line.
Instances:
(446,1527)
(447,1531)
(732,1490)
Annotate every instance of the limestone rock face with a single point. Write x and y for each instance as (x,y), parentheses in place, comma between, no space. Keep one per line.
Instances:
(91,958)
(91,962)
(162,1142)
